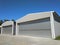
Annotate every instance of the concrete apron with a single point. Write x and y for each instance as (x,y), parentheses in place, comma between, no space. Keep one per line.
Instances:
(26,40)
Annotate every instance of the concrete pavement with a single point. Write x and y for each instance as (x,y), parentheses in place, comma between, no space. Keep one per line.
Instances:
(26,40)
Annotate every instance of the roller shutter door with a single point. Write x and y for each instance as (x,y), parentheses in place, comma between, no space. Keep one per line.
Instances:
(42,29)
(7,30)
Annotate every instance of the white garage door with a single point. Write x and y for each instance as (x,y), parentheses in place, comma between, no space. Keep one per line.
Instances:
(7,30)
(42,29)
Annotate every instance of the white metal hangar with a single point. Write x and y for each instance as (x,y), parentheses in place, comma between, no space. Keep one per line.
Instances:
(8,28)
(42,24)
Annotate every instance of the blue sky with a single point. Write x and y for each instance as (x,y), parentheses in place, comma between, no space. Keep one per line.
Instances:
(15,9)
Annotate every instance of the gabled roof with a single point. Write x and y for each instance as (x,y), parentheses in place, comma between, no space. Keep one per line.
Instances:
(34,16)
(7,23)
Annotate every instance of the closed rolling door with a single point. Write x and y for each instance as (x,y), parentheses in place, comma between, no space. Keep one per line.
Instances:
(37,29)
(7,30)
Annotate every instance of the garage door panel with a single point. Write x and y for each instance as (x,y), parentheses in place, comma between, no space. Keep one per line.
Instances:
(43,25)
(40,33)
(7,30)
(42,29)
